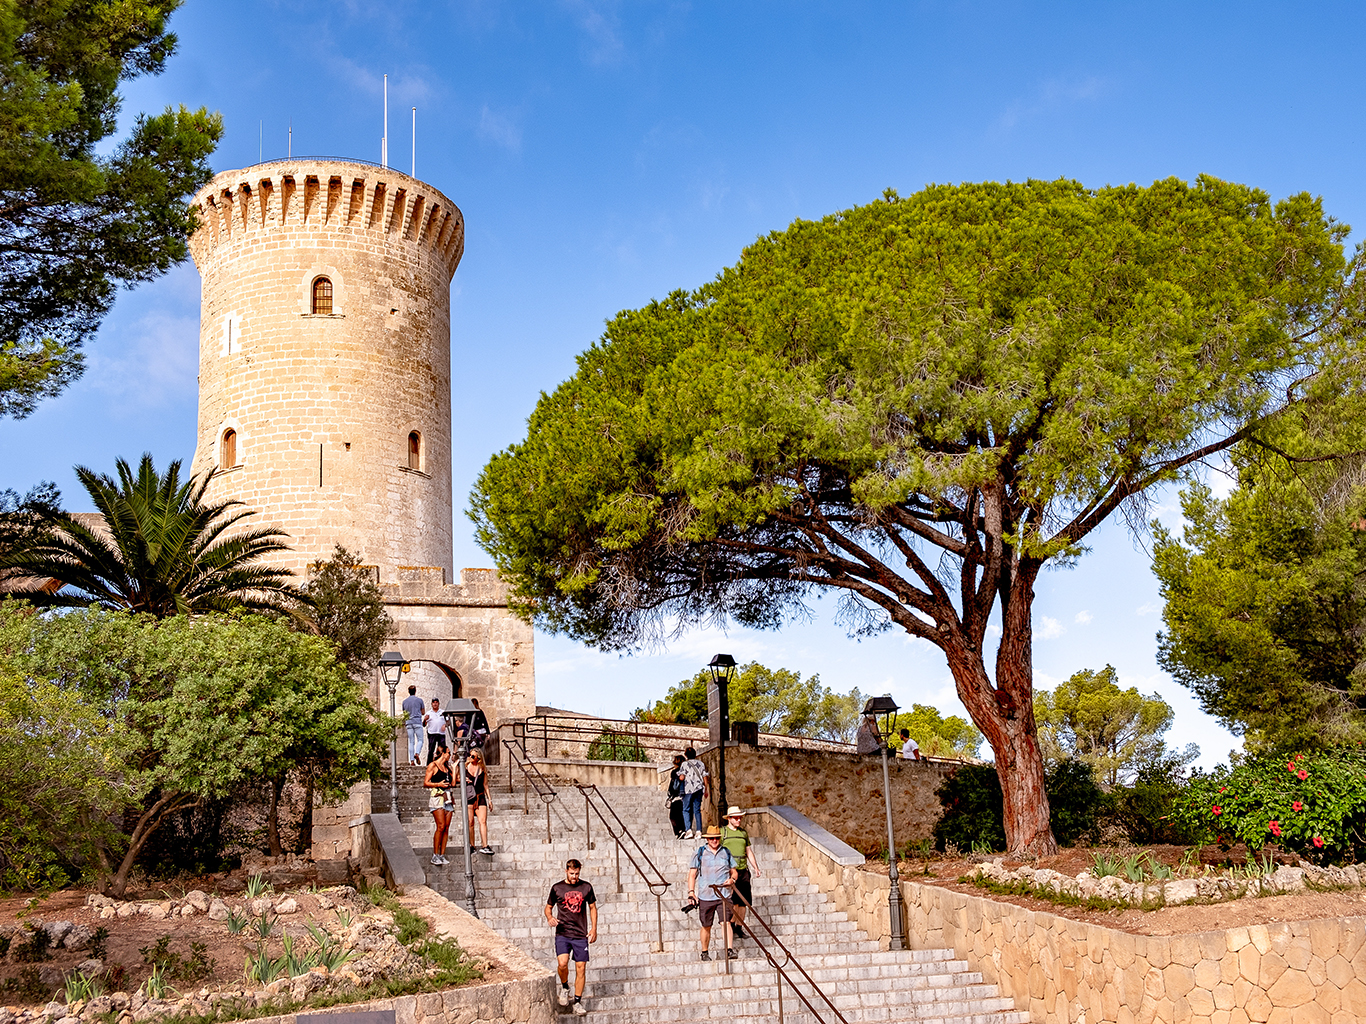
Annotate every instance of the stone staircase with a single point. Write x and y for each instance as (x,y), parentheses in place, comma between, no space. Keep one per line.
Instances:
(628,982)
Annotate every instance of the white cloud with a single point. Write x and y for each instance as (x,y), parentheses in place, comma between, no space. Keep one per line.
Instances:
(601,27)
(1052,95)
(152,363)
(1049,629)
(1083,618)
(500,130)
(1147,608)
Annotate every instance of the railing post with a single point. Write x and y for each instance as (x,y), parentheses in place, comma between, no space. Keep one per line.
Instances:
(587,823)
(618,848)
(778,971)
(547,821)
(659,920)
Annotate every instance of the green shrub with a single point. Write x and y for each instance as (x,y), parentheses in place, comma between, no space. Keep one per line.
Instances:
(1313,804)
(973,818)
(616,746)
(971,798)
(1146,810)
(1074,801)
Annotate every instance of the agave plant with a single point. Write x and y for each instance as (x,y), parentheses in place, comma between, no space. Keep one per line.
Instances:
(162,550)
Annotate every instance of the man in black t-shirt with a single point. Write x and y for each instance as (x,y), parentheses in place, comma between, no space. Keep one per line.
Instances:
(572,909)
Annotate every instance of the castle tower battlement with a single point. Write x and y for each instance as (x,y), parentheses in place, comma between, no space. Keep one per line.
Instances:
(325,370)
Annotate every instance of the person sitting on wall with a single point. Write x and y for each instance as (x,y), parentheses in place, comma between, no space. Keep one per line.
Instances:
(869,738)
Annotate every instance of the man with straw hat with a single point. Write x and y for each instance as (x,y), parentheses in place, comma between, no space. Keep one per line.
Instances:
(736,840)
(712,865)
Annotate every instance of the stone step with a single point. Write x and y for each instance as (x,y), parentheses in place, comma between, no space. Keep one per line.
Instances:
(629,982)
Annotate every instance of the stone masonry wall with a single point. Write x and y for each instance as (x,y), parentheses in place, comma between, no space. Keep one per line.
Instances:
(840,792)
(567,736)
(1298,972)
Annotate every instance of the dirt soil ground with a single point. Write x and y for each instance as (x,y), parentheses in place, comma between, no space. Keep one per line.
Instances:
(1177,920)
(128,936)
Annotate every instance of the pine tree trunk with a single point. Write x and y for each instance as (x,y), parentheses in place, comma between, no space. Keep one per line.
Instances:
(273,817)
(1005,714)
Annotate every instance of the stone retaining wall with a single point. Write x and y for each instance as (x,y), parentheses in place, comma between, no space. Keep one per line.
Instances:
(1060,970)
(841,792)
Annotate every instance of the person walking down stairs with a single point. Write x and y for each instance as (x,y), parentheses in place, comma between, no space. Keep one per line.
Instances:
(437,783)
(477,799)
(735,839)
(712,865)
(572,909)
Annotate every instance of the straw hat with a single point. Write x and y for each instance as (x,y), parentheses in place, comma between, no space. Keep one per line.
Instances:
(734,812)
(713,832)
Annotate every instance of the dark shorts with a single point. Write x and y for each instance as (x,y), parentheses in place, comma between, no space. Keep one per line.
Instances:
(578,947)
(712,909)
(742,888)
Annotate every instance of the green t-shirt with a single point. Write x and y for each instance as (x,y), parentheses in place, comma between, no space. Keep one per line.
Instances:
(736,840)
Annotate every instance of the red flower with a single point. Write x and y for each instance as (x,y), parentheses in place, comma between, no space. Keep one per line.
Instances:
(1223,789)
(1290,766)
(1217,809)
(1318,840)
(1275,827)
(1297,806)
(1301,775)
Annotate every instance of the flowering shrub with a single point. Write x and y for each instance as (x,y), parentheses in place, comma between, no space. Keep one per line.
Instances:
(1314,804)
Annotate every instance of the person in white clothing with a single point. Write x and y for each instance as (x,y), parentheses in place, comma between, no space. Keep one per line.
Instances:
(436,729)
(910,749)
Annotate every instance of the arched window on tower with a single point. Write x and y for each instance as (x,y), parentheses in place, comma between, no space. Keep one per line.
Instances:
(322,296)
(415,450)
(227,450)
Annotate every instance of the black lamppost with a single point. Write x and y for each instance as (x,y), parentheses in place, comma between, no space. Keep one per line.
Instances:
(722,672)
(887,708)
(391,668)
(459,727)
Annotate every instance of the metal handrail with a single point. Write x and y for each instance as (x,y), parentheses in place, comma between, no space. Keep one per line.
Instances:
(532,779)
(789,959)
(657,885)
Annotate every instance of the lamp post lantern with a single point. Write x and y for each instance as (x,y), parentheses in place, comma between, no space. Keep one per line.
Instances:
(887,708)
(722,672)
(459,728)
(391,668)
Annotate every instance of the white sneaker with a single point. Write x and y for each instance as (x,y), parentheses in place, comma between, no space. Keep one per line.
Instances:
(564,996)
(580,1010)
(436,859)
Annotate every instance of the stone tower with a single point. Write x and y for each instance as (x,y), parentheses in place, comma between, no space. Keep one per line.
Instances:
(324,356)
(325,404)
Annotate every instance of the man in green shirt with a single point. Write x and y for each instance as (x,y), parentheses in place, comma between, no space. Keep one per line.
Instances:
(736,840)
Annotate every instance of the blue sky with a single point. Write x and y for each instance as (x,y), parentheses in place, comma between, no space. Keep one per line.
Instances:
(607,153)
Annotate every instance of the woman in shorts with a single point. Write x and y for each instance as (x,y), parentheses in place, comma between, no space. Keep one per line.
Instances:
(437,783)
(477,799)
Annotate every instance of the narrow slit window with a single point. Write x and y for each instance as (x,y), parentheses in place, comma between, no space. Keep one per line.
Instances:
(322,296)
(415,450)
(227,454)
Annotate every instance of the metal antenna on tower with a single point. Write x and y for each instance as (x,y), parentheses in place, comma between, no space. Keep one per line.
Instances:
(289,149)
(384,141)
(414,174)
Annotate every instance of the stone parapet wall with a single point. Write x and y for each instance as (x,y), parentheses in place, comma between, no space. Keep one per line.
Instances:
(1058,969)
(841,792)
(570,737)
